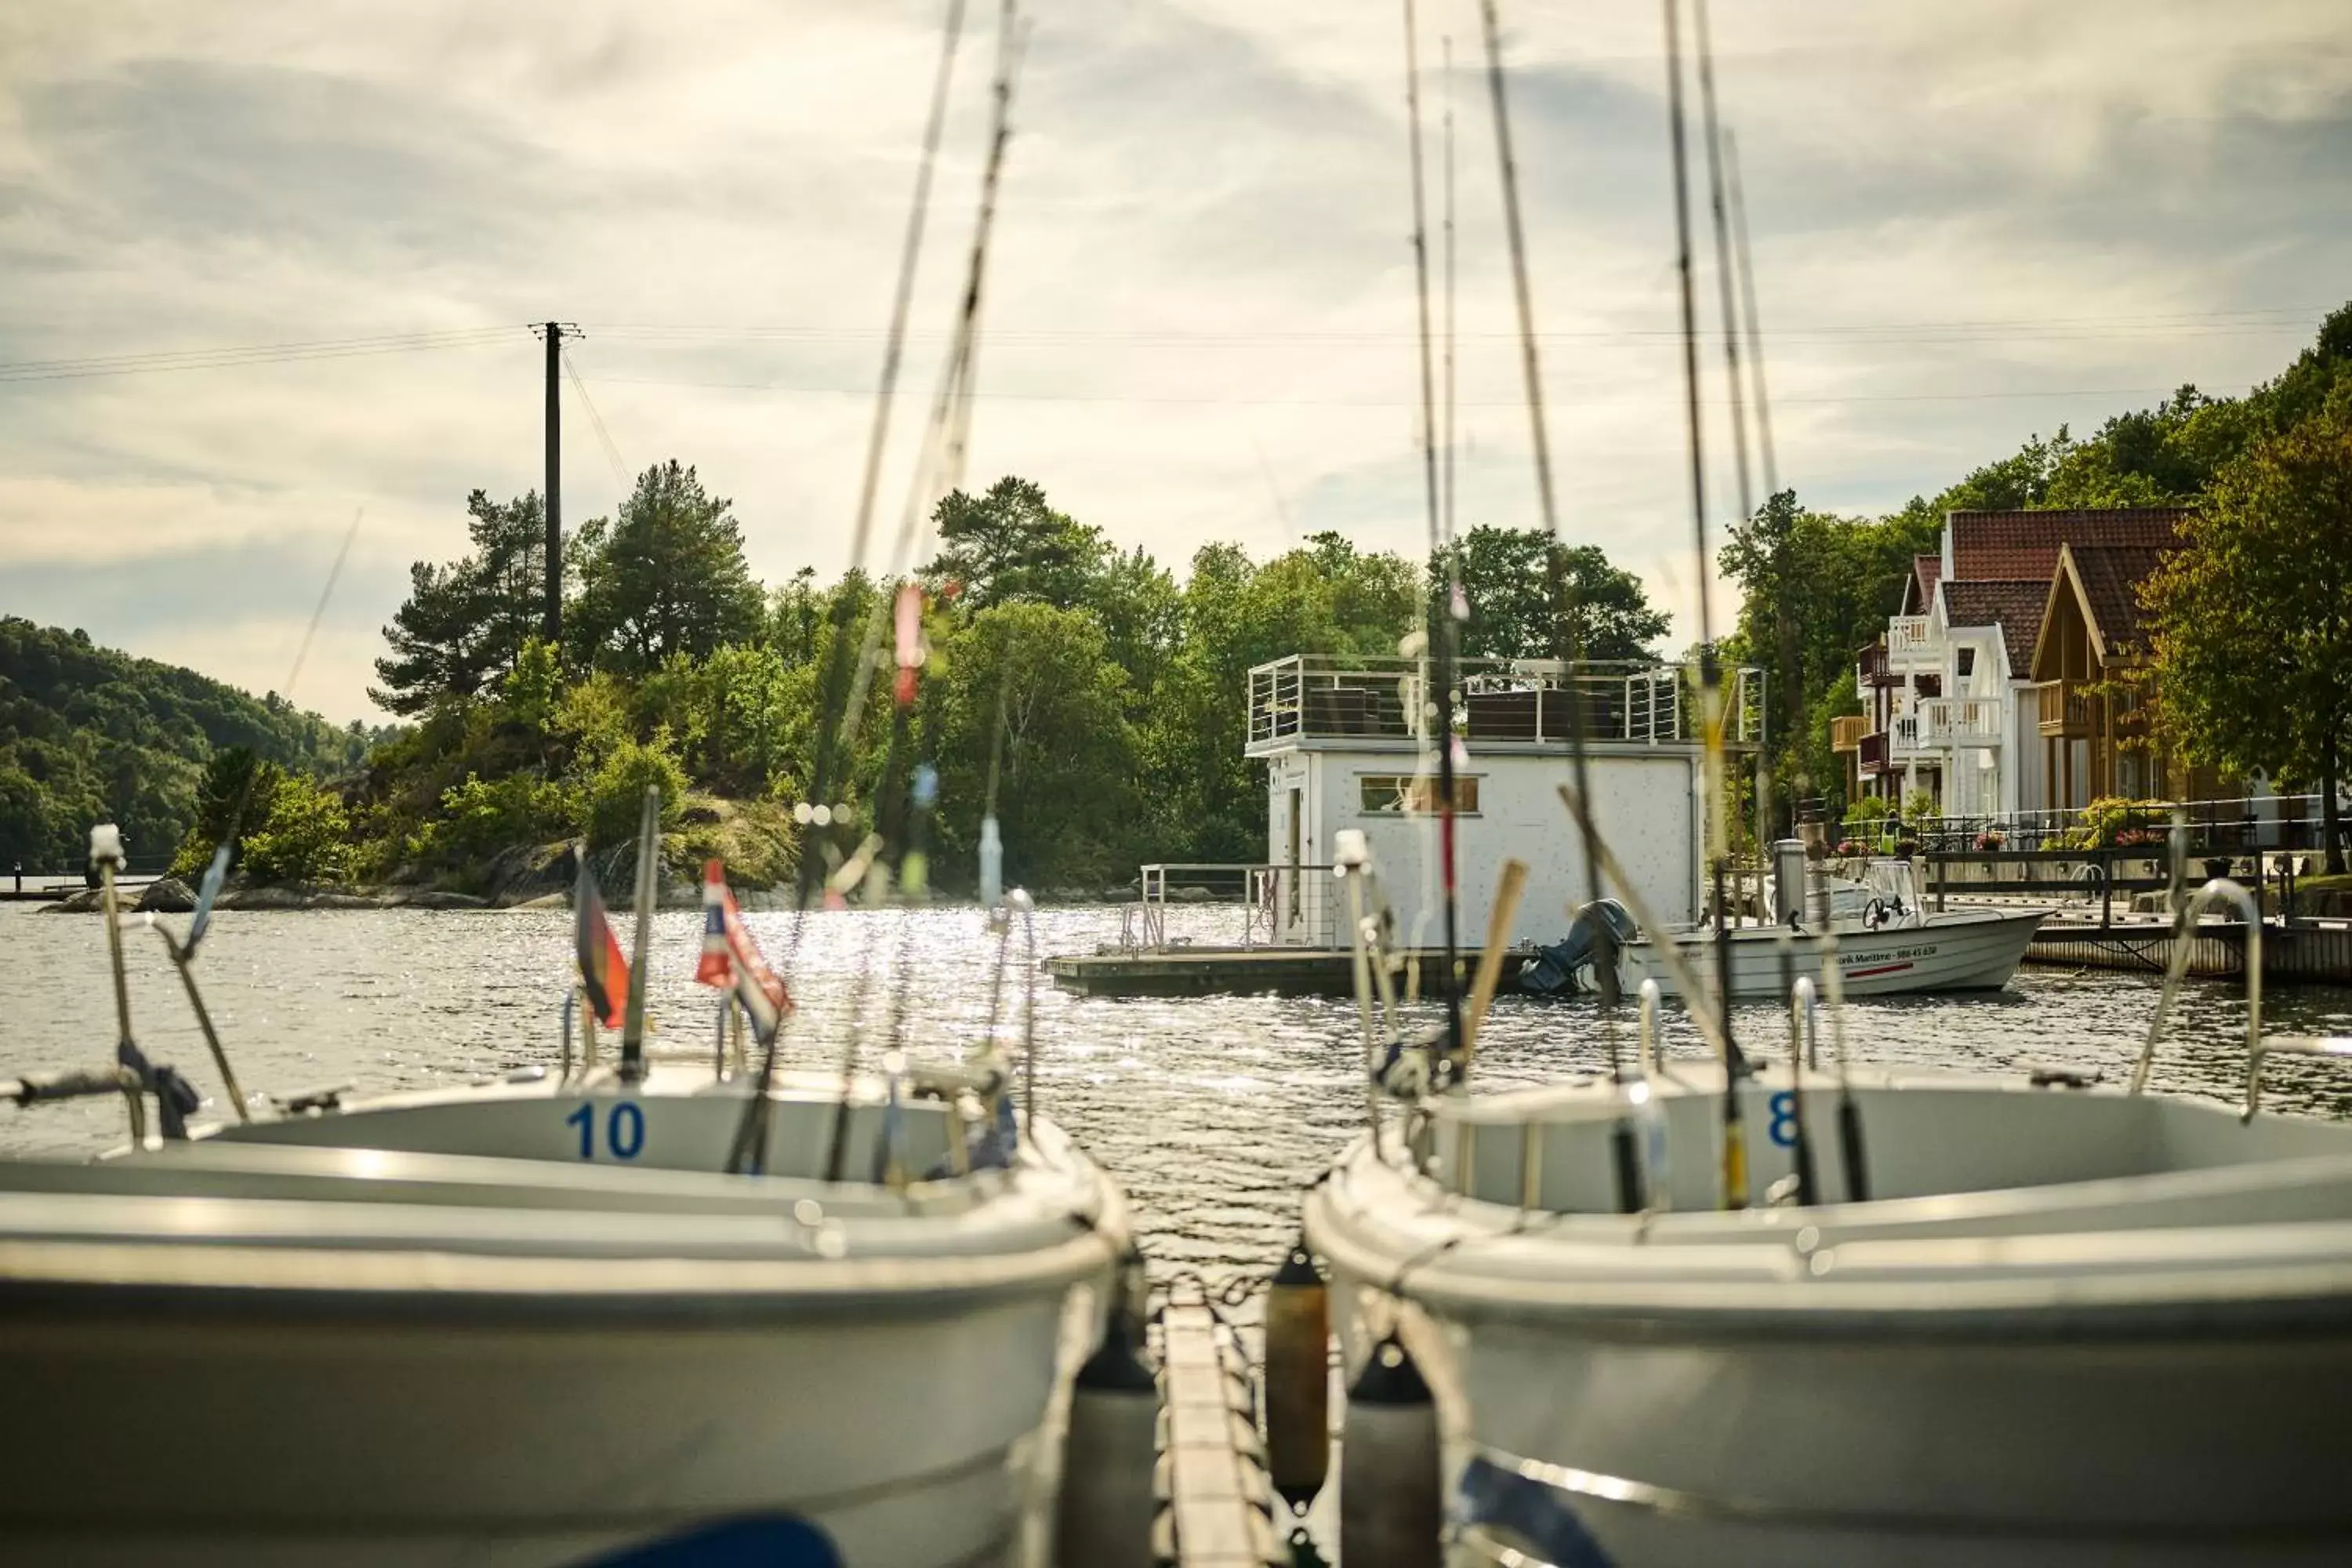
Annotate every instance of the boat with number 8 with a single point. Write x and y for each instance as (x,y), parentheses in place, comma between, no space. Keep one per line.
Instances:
(2031,1320)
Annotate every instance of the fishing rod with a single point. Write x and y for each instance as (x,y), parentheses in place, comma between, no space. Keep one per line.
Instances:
(1735,1067)
(1567,635)
(910,250)
(945,438)
(824,823)
(1441,625)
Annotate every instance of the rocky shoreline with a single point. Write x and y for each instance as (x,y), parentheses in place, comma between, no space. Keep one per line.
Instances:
(169,895)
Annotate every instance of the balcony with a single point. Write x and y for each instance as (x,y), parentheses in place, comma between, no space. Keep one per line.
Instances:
(1846,732)
(1910,645)
(1383,703)
(1949,722)
(1872,749)
(1906,739)
(1870,669)
(2065,709)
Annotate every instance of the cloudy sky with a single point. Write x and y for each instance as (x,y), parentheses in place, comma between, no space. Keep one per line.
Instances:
(1972,223)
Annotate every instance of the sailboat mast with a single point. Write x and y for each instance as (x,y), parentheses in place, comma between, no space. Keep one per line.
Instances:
(1441,628)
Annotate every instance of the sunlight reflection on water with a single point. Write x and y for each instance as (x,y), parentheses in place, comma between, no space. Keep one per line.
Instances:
(1212,1110)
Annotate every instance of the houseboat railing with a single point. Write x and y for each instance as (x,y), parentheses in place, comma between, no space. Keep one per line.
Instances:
(1500,702)
(1278,902)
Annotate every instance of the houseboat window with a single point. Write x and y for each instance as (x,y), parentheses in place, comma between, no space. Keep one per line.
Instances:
(1409,795)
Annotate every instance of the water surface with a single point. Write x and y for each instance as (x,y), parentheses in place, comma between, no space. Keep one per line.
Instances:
(1212,1110)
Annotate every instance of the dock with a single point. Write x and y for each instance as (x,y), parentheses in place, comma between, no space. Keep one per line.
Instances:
(1218,1508)
(2319,951)
(1187,971)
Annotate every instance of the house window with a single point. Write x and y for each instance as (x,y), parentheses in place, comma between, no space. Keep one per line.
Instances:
(1411,794)
(1968,662)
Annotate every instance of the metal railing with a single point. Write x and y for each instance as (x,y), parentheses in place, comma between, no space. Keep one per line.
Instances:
(1534,701)
(1279,903)
(2237,824)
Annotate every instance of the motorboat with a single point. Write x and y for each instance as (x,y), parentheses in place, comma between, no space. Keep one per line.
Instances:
(638,1312)
(2031,1319)
(535,1322)
(1891,942)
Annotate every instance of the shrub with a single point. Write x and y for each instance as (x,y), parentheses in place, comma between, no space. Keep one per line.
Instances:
(481,817)
(1992,838)
(616,788)
(305,836)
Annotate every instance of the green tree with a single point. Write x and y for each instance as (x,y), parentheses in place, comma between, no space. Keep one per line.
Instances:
(304,835)
(1067,792)
(232,799)
(1506,577)
(1009,544)
(2251,623)
(666,577)
(466,622)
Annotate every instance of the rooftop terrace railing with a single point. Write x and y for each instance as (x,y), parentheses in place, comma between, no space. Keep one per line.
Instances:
(1524,701)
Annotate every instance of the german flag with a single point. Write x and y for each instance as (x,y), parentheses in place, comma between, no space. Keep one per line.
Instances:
(603,972)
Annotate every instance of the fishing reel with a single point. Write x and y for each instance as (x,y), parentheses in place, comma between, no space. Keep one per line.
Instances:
(1415,1069)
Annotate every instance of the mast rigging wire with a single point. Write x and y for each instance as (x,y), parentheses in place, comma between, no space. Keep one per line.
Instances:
(1441,624)
(1566,623)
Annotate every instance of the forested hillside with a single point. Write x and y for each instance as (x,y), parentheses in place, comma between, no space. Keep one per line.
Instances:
(89,734)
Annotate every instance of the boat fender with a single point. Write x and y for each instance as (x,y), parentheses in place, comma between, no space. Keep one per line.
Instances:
(1107,1506)
(1389,1508)
(1297,1384)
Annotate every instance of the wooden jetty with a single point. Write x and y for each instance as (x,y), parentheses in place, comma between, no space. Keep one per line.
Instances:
(1187,971)
(1219,1510)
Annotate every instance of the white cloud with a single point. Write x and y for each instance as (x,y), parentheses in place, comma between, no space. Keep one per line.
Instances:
(1200,311)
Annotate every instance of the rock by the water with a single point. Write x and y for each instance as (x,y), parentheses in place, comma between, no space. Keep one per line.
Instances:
(544,901)
(433,898)
(167,895)
(344,902)
(265,899)
(82,903)
(529,872)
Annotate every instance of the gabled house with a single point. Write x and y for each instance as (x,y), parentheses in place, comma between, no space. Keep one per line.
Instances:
(1950,696)
(2090,662)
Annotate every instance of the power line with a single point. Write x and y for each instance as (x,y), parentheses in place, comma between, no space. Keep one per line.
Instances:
(604,437)
(251,354)
(1612,399)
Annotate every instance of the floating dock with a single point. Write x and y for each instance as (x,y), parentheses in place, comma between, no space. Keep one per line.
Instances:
(1219,1507)
(1182,971)
(2319,951)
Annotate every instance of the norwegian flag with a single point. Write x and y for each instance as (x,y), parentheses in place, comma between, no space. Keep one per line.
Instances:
(731,961)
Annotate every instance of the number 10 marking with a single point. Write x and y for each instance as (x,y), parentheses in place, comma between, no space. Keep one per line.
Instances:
(624,1129)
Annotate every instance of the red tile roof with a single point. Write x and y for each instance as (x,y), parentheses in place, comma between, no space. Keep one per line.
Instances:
(2111,576)
(2014,605)
(2015,545)
(1925,570)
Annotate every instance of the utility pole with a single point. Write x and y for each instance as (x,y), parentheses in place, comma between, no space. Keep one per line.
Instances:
(551,628)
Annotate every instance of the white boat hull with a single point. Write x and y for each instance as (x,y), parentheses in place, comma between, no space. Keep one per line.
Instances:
(359,1339)
(1975,950)
(2104,1367)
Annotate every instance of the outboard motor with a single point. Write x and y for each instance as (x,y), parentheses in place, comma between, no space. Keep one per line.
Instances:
(1565,967)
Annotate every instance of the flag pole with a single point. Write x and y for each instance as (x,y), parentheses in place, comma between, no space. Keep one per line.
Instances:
(633,1026)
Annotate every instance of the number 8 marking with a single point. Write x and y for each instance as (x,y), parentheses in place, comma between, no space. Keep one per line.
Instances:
(1783,1126)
